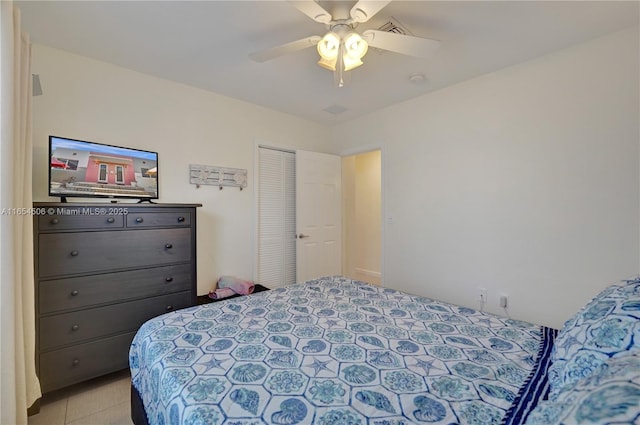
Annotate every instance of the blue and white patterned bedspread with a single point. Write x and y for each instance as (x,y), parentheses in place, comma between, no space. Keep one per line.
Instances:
(332,351)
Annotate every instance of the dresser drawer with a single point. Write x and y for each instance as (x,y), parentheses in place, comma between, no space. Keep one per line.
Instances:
(70,253)
(78,292)
(81,362)
(80,219)
(158,219)
(82,325)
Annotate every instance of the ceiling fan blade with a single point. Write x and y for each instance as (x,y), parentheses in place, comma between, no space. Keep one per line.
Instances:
(405,44)
(284,49)
(365,9)
(312,10)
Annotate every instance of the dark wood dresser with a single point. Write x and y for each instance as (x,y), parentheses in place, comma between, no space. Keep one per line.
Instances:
(101,271)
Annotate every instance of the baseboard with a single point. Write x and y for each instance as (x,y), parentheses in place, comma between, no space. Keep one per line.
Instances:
(369,273)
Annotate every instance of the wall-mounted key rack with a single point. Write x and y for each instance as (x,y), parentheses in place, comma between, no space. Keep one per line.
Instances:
(217,176)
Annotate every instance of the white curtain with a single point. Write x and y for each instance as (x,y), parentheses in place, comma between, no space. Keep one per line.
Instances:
(19,386)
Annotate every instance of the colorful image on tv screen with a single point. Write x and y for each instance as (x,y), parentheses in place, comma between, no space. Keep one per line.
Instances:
(90,169)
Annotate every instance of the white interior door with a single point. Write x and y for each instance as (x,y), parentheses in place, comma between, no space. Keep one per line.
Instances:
(318,215)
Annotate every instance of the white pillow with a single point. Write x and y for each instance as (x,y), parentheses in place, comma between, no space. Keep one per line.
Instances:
(608,326)
(610,395)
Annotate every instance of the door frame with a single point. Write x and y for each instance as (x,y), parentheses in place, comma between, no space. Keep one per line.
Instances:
(258,143)
(383,206)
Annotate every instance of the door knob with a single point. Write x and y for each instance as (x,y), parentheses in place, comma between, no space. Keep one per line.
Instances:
(302,236)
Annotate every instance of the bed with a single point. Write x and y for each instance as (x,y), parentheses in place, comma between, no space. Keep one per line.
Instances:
(334,351)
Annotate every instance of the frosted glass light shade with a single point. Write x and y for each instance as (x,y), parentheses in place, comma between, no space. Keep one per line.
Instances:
(329,45)
(350,63)
(355,46)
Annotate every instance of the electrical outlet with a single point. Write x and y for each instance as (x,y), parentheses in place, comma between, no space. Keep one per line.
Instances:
(482,295)
(504,301)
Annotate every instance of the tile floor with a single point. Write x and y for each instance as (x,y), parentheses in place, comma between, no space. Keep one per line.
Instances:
(101,401)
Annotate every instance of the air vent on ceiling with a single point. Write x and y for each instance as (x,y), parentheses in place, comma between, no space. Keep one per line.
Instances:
(335,109)
(392,25)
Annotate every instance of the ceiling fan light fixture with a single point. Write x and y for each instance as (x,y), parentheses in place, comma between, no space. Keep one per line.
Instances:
(343,51)
(342,48)
(355,46)
(350,63)
(329,46)
(329,64)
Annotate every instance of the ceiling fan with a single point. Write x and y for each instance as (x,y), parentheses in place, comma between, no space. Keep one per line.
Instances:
(342,48)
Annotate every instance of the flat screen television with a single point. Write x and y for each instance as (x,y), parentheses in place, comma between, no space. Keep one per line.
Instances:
(93,170)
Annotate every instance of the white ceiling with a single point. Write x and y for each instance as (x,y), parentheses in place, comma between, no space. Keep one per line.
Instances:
(205,44)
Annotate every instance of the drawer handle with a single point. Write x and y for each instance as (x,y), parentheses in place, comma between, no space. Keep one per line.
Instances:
(74,253)
(74,293)
(168,246)
(111,220)
(180,219)
(55,221)
(169,307)
(169,279)
(139,220)
(75,362)
(75,327)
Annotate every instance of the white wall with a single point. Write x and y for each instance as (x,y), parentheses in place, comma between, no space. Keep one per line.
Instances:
(91,100)
(524,181)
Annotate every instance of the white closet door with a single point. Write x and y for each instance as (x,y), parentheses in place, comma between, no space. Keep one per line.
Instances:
(277,218)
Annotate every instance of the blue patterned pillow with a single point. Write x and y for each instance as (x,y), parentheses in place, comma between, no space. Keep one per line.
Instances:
(608,326)
(610,395)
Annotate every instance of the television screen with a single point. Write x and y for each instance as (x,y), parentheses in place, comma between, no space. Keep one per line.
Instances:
(87,169)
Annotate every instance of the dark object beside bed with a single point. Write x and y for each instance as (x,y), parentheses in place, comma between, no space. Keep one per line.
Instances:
(137,408)
(206,299)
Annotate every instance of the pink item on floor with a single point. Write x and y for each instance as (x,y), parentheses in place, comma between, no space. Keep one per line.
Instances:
(220,293)
(239,286)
